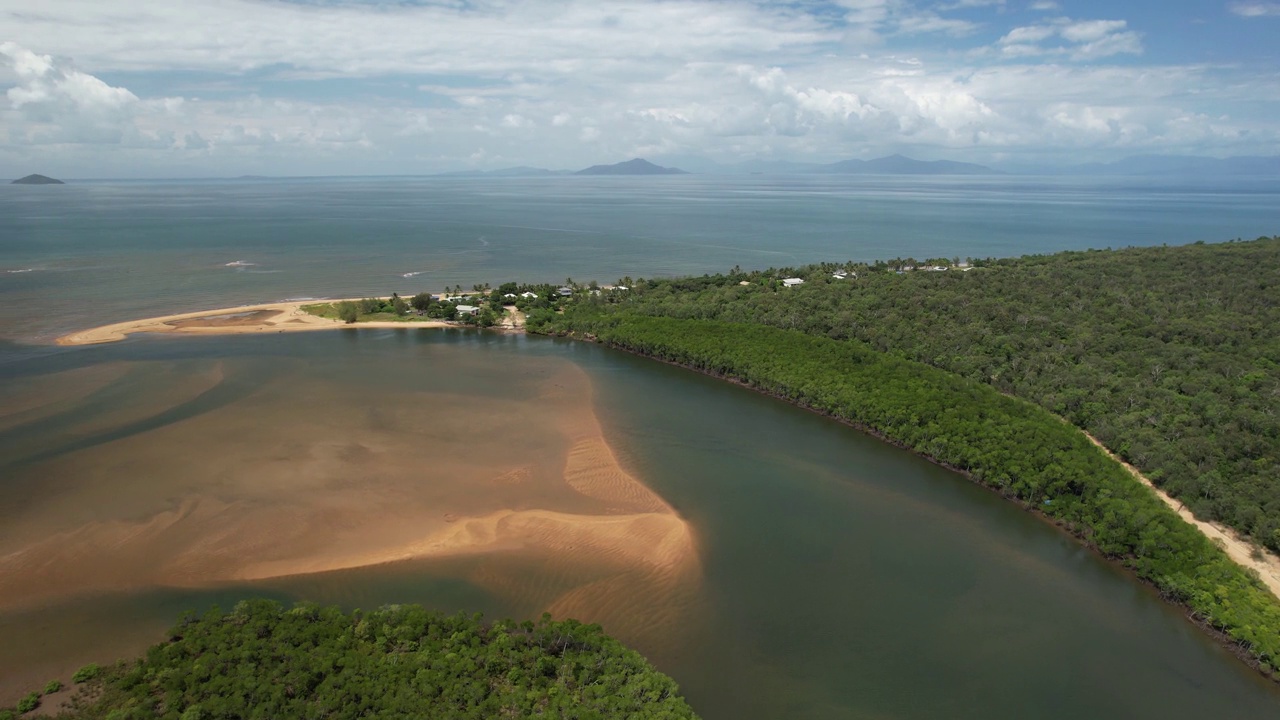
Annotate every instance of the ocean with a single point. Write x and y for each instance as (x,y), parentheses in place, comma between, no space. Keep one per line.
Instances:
(775,563)
(87,254)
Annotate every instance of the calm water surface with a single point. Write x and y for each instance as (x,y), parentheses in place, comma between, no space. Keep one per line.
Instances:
(86,254)
(838,577)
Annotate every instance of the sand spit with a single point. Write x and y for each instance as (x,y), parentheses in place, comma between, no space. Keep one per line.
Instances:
(265,318)
(1266,564)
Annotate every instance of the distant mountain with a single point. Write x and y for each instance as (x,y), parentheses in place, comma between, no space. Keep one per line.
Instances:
(637,166)
(521,171)
(902,165)
(1182,165)
(37,180)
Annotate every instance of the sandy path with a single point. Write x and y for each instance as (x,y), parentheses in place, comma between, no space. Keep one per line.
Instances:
(246,319)
(1239,549)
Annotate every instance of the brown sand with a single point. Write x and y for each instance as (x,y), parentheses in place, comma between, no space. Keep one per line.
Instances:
(326,477)
(264,318)
(1266,564)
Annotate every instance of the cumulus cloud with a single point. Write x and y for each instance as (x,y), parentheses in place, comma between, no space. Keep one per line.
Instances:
(419,87)
(1255,9)
(52,94)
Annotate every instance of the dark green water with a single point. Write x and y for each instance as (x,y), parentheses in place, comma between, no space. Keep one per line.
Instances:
(840,577)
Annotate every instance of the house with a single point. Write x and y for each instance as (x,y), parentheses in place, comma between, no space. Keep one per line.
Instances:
(509,296)
(530,295)
(792,282)
(468,310)
(565,291)
(621,287)
(840,275)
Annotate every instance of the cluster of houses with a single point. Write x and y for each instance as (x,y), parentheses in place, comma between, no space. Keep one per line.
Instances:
(850,275)
(462,301)
(838,275)
(961,266)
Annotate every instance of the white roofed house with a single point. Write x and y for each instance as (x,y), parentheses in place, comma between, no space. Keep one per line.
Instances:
(565,291)
(792,282)
(530,295)
(468,310)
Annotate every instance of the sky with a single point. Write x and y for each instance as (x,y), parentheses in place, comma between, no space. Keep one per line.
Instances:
(210,88)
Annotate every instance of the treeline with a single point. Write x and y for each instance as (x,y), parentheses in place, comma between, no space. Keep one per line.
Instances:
(483,306)
(1170,356)
(264,661)
(1011,445)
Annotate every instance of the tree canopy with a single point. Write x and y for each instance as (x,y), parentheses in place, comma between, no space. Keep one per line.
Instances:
(1170,356)
(1180,382)
(262,660)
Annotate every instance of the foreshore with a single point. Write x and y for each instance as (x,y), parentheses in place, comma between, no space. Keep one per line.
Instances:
(277,317)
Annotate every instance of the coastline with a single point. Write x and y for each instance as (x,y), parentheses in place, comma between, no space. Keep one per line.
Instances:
(276,317)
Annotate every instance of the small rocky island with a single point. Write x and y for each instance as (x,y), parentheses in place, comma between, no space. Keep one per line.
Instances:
(37,180)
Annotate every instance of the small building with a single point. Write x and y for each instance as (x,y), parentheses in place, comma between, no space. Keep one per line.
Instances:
(468,310)
(565,291)
(840,275)
(509,296)
(530,295)
(792,282)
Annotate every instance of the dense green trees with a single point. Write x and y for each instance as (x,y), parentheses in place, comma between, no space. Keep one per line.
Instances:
(1013,446)
(264,661)
(1170,356)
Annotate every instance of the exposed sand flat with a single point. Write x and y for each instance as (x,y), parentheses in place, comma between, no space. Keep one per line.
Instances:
(1267,565)
(264,318)
(325,479)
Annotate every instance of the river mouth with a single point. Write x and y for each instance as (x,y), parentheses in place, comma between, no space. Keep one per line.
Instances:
(775,563)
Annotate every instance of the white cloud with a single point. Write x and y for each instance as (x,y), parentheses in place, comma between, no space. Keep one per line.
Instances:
(576,83)
(1091,30)
(1082,39)
(1255,9)
(1045,5)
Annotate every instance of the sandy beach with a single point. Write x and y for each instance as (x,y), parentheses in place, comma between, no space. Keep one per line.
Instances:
(247,319)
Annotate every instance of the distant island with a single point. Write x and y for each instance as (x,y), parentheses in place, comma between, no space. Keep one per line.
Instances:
(37,180)
(637,166)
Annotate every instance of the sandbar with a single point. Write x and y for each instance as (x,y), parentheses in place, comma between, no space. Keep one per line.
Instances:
(277,317)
